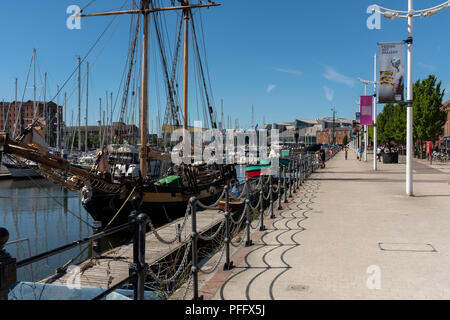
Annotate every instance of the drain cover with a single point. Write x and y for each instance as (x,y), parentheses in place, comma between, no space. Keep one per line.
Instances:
(411,247)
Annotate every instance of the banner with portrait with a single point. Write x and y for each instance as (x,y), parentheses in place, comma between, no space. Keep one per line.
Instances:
(392,77)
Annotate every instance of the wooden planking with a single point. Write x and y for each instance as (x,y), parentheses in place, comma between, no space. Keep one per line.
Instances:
(113,266)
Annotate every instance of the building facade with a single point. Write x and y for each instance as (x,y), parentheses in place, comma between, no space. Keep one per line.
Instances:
(445,142)
(15,116)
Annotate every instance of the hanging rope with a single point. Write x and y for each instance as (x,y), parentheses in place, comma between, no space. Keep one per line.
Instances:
(120,210)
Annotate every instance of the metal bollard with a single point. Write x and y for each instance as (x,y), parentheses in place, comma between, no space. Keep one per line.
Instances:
(290,180)
(284,186)
(228,264)
(8,268)
(261,209)
(142,221)
(295,177)
(249,242)
(96,245)
(133,270)
(272,215)
(194,239)
(279,191)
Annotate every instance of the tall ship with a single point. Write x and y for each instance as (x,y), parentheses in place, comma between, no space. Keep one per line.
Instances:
(147,173)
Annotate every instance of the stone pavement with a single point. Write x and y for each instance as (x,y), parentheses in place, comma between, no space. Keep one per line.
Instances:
(349,233)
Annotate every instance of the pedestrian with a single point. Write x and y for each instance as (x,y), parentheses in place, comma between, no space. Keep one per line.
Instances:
(359,153)
(346,152)
(379,154)
(322,157)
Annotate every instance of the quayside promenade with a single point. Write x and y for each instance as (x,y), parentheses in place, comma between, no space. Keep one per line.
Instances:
(348,233)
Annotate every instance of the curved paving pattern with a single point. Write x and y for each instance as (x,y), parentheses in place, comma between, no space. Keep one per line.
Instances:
(266,262)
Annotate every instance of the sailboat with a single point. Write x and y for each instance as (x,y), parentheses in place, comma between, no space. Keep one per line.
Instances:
(106,198)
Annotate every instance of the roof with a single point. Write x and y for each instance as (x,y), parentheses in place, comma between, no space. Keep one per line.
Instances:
(446,104)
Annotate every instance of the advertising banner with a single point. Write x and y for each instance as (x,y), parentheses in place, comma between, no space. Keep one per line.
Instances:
(392,66)
(366,110)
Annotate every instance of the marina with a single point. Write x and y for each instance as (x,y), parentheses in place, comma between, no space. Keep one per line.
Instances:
(179,151)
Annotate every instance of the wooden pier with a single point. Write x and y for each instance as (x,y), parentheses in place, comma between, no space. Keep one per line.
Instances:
(112,266)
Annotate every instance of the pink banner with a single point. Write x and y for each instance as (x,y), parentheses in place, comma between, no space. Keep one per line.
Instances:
(366,110)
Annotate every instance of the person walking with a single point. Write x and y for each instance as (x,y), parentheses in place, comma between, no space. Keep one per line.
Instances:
(346,152)
(360,153)
(322,157)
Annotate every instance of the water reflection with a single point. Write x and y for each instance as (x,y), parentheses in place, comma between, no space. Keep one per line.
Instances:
(46,214)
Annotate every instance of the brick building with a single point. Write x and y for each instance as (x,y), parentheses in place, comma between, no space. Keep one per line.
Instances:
(119,130)
(445,142)
(326,136)
(20,115)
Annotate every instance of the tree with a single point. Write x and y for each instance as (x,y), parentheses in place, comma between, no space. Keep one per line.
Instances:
(429,118)
(345,140)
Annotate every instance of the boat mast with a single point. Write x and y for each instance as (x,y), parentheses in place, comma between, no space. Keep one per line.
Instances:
(111,109)
(145,11)
(143,154)
(15,103)
(186,61)
(100,125)
(47,125)
(57,118)
(87,103)
(34,85)
(79,103)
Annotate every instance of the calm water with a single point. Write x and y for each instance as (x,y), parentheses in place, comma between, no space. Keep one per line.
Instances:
(49,217)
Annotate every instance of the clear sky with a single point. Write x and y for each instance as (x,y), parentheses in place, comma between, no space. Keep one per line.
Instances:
(291,59)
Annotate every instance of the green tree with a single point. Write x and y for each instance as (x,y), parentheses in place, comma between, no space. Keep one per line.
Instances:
(429,118)
(345,140)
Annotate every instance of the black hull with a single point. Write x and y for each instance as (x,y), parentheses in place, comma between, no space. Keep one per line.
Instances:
(104,207)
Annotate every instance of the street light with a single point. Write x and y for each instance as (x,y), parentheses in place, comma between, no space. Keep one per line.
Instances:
(366,137)
(409,15)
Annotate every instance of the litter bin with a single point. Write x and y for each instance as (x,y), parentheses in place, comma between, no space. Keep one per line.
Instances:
(390,157)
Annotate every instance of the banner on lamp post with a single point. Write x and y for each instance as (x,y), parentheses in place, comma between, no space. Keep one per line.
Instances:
(366,110)
(392,78)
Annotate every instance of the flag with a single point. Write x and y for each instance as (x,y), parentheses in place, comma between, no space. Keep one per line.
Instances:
(366,110)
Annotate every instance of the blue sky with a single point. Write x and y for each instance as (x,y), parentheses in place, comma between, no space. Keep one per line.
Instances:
(290,59)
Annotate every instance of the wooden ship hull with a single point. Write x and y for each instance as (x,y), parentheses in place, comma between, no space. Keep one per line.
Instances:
(161,204)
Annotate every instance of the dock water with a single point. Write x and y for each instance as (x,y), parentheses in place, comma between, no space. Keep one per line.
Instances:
(112,266)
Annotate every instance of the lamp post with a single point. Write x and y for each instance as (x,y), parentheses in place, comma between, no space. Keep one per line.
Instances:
(409,15)
(374,83)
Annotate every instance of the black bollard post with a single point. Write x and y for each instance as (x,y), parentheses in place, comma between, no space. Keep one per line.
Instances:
(8,268)
(142,220)
(228,264)
(261,208)
(272,215)
(96,244)
(132,218)
(194,238)
(279,191)
(249,241)
(290,180)
(285,186)
(295,177)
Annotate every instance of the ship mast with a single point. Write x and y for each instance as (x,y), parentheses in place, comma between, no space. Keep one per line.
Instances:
(145,11)
(186,63)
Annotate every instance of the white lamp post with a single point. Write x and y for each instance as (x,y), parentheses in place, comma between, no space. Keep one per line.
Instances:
(409,15)
(366,131)
(374,83)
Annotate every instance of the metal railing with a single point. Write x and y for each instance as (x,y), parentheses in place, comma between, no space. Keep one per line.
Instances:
(258,195)
(137,225)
